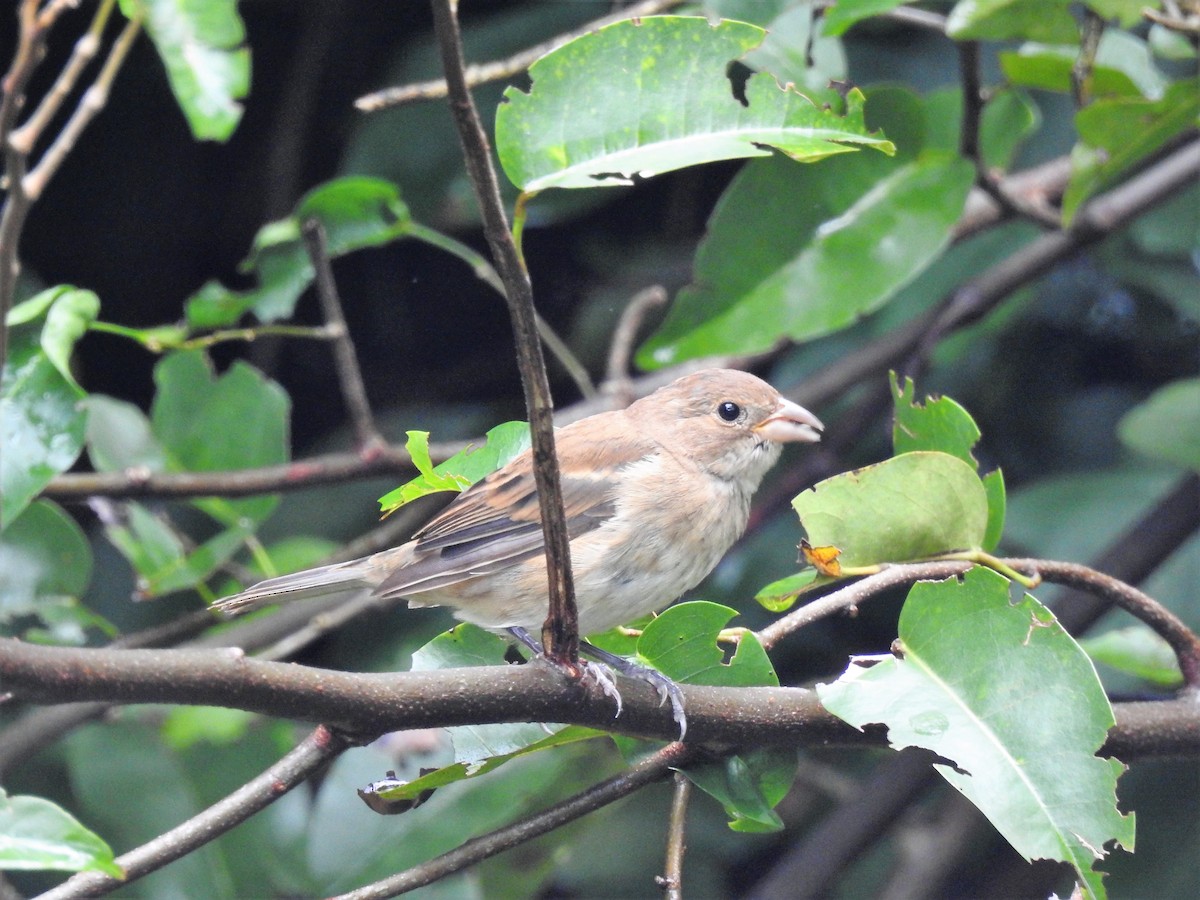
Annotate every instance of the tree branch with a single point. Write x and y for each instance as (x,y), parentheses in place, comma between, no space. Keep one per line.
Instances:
(313,753)
(354,392)
(483,73)
(647,771)
(369,704)
(560,634)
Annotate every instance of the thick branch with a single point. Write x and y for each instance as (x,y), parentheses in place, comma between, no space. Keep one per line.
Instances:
(370,704)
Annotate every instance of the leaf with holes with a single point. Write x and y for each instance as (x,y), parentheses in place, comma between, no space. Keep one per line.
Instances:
(647,96)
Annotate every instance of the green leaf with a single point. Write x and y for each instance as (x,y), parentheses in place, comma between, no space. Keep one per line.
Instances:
(998,20)
(780,596)
(749,786)
(796,50)
(942,424)
(36,834)
(44,559)
(682,644)
(356,212)
(119,436)
(787,276)
(206,423)
(200,43)
(469,645)
(41,424)
(1138,651)
(1123,67)
(67,320)
(461,470)
(1167,424)
(845,13)
(999,689)
(909,507)
(668,103)
(187,726)
(1116,133)
(1126,12)
(395,796)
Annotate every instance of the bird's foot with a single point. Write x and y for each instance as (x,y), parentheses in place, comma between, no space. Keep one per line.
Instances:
(667,689)
(601,671)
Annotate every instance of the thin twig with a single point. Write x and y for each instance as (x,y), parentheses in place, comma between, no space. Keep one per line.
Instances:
(560,634)
(95,98)
(621,348)
(345,358)
(671,880)
(649,770)
(1165,623)
(1084,66)
(972,116)
(483,73)
(24,138)
(314,752)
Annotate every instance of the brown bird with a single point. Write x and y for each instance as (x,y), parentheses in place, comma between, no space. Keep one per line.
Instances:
(654,496)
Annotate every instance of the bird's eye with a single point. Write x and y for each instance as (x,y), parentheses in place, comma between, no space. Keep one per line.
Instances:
(729,411)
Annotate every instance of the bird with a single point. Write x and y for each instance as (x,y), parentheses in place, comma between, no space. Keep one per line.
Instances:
(654,495)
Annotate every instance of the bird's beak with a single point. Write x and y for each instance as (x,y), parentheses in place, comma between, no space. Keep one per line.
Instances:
(790,422)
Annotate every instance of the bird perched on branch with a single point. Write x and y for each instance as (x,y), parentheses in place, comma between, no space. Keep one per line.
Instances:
(654,495)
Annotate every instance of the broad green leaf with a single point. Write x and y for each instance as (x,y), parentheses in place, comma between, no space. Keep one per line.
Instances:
(461,470)
(1138,651)
(119,436)
(1167,424)
(908,507)
(201,46)
(238,420)
(942,424)
(749,786)
(356,212)
(37,834)
(668,103)
(756,12)
(44,560)
(1000,690)
(788,275)
(682,644)
(845,13)
(196,565)
(997,20)
(1123,67)
(1170,44)
(469,645)
(41,424)
(1115,134)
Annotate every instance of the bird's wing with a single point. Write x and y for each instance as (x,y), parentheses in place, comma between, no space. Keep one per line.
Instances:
(496,523)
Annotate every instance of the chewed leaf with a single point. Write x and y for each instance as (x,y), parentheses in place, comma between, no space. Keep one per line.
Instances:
(667,103)
(942,424)
(461,470)
(682,644)
(976,681)
(909,507)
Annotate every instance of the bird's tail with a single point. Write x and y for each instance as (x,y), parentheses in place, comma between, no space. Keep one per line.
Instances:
(347,579)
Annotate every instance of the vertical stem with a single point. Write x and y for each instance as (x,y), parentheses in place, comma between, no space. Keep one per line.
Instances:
(560,634)
(354,392)
(672,877)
